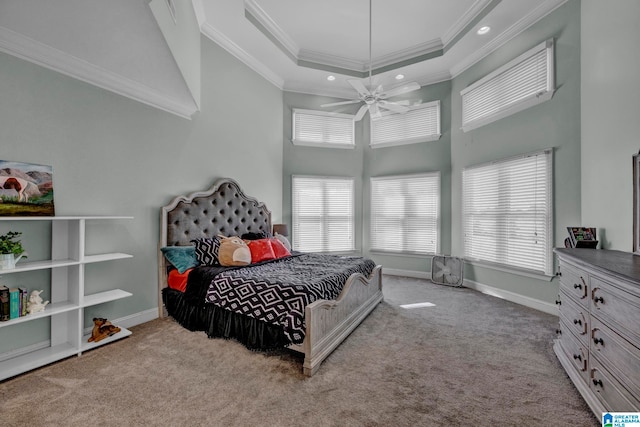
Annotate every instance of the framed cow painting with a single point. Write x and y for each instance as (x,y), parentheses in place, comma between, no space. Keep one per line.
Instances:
(26,189)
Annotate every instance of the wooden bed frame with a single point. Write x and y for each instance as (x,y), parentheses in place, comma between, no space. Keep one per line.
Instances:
(225,209)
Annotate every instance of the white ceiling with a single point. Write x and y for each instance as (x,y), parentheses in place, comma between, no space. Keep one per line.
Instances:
(294,44)
(283,36)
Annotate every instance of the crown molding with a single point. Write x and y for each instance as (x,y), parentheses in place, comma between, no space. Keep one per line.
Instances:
(460,26)
(235,50)
(23,47)
(253,10)
(544,9)
(335,61)
(408,54)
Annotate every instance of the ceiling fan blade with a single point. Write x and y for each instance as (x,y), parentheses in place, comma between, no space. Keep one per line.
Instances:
(334,104)
(392,106)
(361,112)
(405,88)
(359,87)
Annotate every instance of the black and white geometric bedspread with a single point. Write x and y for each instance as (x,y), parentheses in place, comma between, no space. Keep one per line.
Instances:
(277,292)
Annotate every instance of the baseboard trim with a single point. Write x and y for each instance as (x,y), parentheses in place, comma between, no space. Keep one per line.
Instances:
(407,273)
(513,297)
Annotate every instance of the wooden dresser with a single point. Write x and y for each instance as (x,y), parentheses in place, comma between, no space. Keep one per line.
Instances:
(599,337)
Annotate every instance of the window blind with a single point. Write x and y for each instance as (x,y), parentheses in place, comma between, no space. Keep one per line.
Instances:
(405,213)
(323,215)
(507,212)
(321,128)
(420,124)
(522,83)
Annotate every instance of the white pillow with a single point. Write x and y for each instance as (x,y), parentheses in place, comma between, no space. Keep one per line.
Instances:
(284,241)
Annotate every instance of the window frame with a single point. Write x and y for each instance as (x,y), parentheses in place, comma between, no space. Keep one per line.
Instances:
(547,271)
(438,215)
(295,220)
(522,103)
(402,119)
(323,143)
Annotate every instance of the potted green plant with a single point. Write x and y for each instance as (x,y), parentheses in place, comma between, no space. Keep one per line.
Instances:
(11,250)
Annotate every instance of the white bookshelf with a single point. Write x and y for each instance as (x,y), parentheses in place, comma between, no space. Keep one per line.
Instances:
(67,297)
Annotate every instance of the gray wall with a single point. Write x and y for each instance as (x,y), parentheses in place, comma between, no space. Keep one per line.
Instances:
(411,159)
(114,156)
(301,160)
(610,117)
(555,123)
(364,162)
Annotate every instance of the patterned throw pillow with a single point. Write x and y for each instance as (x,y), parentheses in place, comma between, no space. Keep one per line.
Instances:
(207,250)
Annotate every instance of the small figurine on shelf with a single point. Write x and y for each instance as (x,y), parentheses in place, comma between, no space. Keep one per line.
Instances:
(102,328)
(35,304)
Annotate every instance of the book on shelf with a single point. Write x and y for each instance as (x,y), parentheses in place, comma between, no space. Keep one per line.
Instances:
(14,303)
(4,303)
(24,298)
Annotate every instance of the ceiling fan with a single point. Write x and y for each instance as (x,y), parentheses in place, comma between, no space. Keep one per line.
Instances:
(375,100)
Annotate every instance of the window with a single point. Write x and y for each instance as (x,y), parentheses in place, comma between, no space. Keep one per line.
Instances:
(405,213)
(507,212)
(323,218)
(420,124)
(322,129)
(522,83)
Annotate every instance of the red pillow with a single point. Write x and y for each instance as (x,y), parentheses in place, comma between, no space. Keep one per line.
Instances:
(278,248)
(261,250)
(178,281)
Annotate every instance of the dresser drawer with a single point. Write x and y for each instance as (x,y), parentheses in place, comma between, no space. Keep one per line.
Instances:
(575,282)
(576,352)
(575,317)
(616,307)
(613,351)
(613,395)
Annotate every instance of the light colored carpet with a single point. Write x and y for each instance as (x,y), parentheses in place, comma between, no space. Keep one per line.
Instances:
(472,360)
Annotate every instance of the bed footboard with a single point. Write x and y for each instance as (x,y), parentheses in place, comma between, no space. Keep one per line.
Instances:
(330,322)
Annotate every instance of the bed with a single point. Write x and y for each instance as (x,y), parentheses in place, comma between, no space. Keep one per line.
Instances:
(323,323)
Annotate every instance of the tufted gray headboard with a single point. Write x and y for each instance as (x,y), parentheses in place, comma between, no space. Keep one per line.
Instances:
(222,209)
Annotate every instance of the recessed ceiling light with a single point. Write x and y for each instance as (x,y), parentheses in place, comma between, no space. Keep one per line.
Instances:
(484,30)
(400,77)
(331,78)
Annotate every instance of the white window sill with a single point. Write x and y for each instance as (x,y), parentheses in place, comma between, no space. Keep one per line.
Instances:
(401,254)
(322,144)
(512,270)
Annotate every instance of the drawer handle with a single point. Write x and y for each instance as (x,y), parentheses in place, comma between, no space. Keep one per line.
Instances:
(598,341)
(577,286)
(577,357)
(598,300)
(559,331)
(597,383)
(558,302)
(577,322)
